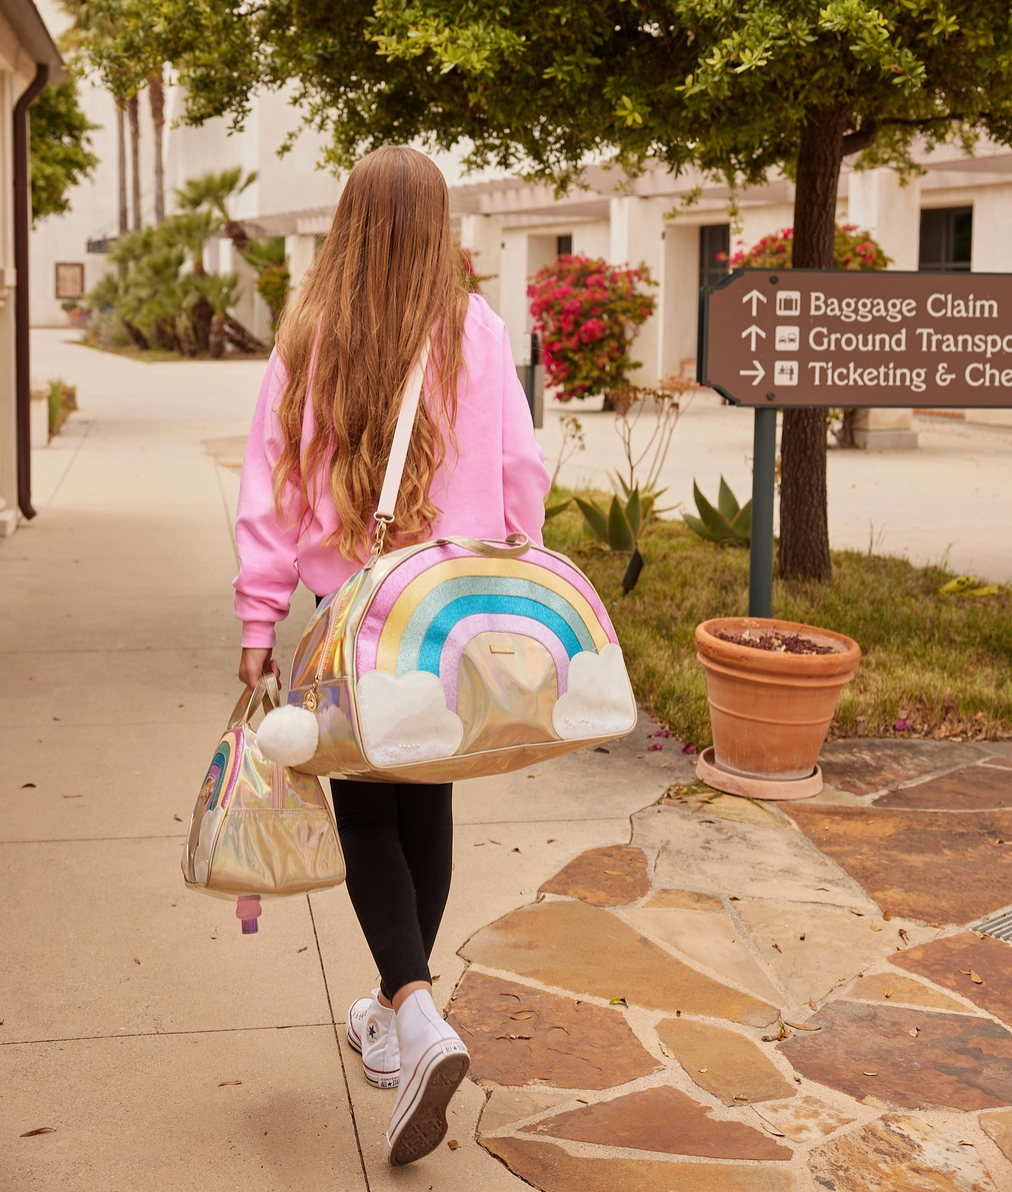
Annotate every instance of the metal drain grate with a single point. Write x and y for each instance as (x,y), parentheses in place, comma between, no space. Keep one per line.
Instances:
(1000,926)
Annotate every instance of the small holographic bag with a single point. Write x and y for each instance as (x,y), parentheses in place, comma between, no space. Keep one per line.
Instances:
(259,829)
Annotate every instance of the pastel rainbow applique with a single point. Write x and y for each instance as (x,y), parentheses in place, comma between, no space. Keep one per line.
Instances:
(425,614)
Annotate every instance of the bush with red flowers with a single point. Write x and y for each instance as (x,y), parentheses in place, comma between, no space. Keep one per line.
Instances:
(587,313)
(852,249)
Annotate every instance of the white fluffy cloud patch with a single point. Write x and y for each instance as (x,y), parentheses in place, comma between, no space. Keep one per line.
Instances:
(406,720)
(599,701)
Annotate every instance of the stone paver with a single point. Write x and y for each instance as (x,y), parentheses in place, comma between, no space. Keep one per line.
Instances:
(710,940)
(581,948)
(939,867)
(508,1106)
(955,961)
(866,767)
(517,1035)
(727,1065)
(803,1119)
(982,787)
(896,990)
(744,860)
(813,950)
(997,1125)
(603,877)
(900,1151)
(914,1058)
(556,1170)
(660,1119)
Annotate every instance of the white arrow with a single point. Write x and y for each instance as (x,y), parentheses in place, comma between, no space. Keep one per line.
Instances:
(758,372)
(753,331)
(754,296)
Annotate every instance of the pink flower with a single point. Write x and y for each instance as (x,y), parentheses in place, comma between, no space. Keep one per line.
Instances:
(653,748)
(901,726)
(688,748)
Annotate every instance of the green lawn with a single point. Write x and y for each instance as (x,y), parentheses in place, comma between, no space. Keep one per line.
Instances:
(942,663)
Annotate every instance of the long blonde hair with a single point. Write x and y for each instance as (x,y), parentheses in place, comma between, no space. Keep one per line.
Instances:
(388,276)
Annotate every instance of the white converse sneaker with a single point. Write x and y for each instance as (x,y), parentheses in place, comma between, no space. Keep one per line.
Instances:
(434,1062)
(371,1032)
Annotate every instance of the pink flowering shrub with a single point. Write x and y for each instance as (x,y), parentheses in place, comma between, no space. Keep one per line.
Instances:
(587,313)
(852,249)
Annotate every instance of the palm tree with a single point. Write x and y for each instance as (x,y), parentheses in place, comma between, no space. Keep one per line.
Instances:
(135,158)
(220,291)
(156,95)
(213,192)
(92,28)
(190,231)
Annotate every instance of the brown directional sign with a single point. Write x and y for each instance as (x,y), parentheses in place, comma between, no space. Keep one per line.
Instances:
(839,337)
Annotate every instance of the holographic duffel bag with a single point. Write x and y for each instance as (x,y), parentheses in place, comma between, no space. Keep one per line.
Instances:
(259,829)
(452,659)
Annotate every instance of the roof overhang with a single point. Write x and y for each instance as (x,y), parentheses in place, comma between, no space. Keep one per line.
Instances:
(36,41)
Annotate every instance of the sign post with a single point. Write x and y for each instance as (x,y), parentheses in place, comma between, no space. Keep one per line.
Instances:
(838,337)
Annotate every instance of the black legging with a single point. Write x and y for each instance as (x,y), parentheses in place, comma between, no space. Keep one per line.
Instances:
(398,849)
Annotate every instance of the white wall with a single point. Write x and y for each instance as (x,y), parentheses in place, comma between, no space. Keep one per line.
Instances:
(678,305)
(879,204)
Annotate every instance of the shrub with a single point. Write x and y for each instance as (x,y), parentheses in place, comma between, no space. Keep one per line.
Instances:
(587,313)
(852,249)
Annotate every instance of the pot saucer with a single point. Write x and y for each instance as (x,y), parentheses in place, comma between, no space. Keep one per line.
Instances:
(756,788)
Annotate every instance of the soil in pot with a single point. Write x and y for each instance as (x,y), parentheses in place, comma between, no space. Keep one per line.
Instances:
(778,643)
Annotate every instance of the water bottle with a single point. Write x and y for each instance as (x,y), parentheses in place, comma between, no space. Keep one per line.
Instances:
(248,910)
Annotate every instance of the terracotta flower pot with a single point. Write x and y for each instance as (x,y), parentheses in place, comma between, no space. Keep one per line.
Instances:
(770,712)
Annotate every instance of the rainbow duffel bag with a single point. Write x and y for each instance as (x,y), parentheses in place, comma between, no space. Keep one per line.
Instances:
(453,659)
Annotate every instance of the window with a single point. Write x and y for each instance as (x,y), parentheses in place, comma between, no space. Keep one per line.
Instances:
(714,247)
(946,239)
(564,246)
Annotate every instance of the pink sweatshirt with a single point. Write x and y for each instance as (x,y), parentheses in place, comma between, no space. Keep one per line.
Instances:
(494,484)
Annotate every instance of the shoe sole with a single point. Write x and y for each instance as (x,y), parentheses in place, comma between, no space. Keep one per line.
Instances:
(424,1126)
(379,1081)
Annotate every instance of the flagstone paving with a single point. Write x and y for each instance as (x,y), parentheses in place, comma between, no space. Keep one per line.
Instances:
(754,998)
(872,767)
(901,1152)
(977,967)
(985,786)
(937,866)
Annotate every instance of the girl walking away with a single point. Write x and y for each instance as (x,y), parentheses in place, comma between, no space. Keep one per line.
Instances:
(388,281)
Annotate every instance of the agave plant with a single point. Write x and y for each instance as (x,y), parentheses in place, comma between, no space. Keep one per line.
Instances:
(729,524)
(620,526)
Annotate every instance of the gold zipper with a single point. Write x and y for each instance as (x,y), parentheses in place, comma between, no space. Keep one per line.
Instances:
(311,700)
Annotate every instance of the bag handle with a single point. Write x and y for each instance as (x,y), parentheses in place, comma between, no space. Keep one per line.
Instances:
(514,546)
(265,693)
(398,457)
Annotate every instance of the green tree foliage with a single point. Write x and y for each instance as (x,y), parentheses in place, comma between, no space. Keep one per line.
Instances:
(60,143)
(739,89)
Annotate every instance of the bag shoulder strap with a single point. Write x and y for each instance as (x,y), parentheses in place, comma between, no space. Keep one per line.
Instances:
(402,440)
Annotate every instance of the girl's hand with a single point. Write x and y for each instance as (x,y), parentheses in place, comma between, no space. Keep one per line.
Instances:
(254,663)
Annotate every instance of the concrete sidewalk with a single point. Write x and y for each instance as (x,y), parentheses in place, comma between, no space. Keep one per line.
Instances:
(662,988)
(126,1000)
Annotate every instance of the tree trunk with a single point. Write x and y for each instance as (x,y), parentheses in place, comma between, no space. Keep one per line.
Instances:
(218,336)
(156,94)
(135,160)
(239,337)
(201,315)
(804,528)
(121,165)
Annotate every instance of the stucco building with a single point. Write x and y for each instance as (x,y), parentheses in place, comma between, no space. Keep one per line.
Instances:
(28,58)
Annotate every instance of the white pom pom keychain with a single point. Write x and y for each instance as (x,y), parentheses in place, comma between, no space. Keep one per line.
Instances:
(288,735)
